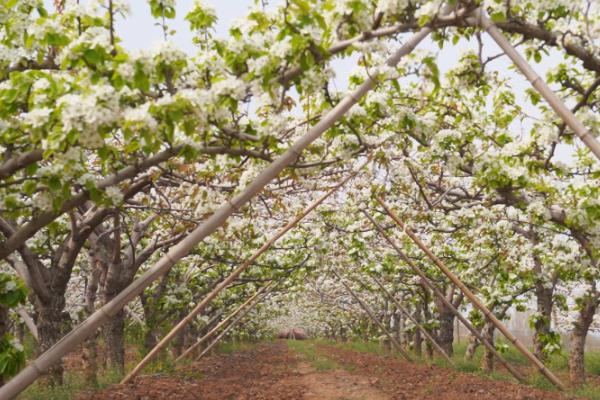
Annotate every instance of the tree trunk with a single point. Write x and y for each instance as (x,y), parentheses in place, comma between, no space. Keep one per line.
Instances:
(4,328)
(179,340)
(446,331)
(51,323)
(90,346)
(542,326)
(487,362)
(578,337)
(114,336)
(418,343)
(404,340)
(472,345)
(150,338)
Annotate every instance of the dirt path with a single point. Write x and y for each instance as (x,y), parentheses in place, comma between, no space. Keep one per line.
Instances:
(273,371)
(334,385)
(403,380)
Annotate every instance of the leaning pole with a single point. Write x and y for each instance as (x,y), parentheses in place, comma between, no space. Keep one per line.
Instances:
(244,266)
(70,341)
(407,314)
(428,284)
(221,324)
(231,326)
(371,315)
(474,299)
(480,19)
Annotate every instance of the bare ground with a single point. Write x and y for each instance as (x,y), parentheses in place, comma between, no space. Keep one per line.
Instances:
(271,371)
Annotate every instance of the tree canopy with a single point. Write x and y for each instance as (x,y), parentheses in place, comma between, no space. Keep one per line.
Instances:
(109,157)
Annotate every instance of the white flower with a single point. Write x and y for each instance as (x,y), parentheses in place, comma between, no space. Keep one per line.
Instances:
(87,112)
(10,286)
(114,194)
(72,154)
(539,209)
(168,52)
(312,31)
(281,47)
(44,26)
(392,6)
(140,116)
(357,111)
(41,84)
(429,9)
(547,134)
(85,178)
(126,70)
(256,65)
(167,3)
(16,344)
(231,86)
(42,201)
(37,117)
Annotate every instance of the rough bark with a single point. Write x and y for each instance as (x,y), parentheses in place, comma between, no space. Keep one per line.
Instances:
(487,362)
(446,330)
(4,327)
(179,340)
(578,338)
(90,346)
(542,326)
(446,317)
(472,345)
(418,341)
(114,337)
(51,323)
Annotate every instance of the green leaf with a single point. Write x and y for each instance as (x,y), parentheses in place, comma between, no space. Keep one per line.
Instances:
(54,184)
(92,56)
(498,16)
(29,187)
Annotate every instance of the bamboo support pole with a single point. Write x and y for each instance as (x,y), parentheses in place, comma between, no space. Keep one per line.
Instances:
(227,281)
(222,323)
(513,371)
(474,300)
(373,317)
(28,321)
(480,19)
(69,342)
(424,331)
(230,326)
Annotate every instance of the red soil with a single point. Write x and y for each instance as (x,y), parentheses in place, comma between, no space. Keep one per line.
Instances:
(271,371)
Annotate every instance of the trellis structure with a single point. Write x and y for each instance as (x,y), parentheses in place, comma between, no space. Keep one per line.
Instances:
(244,266)
(476,18)
(427,282)
(372,316)
(246,304)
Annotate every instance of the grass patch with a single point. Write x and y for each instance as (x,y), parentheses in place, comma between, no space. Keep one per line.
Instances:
(588,391)
(556,362)
(73,384)
(307,348)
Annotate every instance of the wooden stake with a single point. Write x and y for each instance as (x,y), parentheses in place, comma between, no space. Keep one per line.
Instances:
(227,281)
(230,326)
(91,324)
(424,331)
(222,323)
(446,302)
(373,317)
(481,19)
(474,300)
